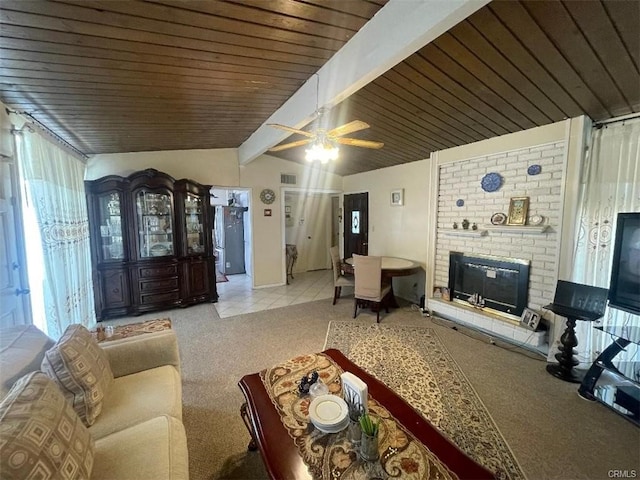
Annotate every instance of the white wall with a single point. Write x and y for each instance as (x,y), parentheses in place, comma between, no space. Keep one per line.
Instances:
(490,150)
(269,240)
(397,231)
(571,133)
(209,167)
(461,180)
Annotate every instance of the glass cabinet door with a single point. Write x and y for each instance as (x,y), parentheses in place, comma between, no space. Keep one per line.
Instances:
(155,224)
(111,246)
(194,224)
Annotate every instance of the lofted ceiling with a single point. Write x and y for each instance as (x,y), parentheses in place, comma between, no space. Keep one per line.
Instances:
(123,76)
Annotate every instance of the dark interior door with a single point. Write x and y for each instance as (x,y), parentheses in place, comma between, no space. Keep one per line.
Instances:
(356,224)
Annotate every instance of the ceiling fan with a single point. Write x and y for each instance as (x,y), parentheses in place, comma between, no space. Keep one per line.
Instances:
(324,143)
(333,135)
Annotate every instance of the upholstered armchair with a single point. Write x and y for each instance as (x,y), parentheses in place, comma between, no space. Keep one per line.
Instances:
(368,284)
(339,280)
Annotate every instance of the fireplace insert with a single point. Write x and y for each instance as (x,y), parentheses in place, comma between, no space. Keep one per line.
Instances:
(497,284)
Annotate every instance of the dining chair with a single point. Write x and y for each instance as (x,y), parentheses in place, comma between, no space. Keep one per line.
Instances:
(368,285)
(339,280)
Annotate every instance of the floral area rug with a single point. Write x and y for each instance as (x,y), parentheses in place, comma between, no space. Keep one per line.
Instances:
(415,364)
(221,277)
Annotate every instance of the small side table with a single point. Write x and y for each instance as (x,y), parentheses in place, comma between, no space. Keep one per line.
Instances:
(566,361)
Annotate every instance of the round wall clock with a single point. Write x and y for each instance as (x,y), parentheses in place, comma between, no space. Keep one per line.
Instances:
(267,196)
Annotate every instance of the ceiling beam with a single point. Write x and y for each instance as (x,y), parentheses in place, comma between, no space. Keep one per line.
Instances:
(398,30)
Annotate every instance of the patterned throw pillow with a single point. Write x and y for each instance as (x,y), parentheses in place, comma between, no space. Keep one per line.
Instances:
(40,434)
(81,369)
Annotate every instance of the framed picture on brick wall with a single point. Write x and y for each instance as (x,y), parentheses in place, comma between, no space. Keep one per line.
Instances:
(518,210)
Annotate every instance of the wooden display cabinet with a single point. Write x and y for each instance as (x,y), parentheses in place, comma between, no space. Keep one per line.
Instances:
(151,241)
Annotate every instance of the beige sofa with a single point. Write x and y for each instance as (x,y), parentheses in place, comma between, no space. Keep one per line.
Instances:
(139,432)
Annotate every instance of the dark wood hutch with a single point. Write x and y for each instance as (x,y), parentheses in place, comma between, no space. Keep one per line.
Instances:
(151,243)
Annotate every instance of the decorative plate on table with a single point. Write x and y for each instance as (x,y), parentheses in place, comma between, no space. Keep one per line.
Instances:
(498,218)
(491,182)
(267,196)
(329,413)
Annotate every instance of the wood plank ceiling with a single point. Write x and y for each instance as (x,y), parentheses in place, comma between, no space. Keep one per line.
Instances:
(124,76)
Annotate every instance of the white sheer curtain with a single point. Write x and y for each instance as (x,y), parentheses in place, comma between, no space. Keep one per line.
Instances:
(610,185)
(54,187)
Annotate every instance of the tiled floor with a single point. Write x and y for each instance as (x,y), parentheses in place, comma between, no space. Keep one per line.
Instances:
(238,297)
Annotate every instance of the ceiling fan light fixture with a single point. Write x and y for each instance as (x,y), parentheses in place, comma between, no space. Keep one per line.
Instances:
(321,152)
(323,144)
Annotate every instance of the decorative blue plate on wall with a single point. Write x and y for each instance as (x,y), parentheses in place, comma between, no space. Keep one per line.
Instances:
(491,182)
(534,169)
(460,203)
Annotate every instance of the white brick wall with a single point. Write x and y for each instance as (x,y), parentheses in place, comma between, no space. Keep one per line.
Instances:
(461,180)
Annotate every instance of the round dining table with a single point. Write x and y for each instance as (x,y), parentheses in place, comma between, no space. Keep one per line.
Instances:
(391,267)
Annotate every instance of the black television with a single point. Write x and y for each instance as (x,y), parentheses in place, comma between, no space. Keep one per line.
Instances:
(624,289)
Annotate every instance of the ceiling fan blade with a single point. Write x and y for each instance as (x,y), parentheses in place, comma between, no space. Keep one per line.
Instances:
(291,129)
(347,128)
(277,148)
(354,142)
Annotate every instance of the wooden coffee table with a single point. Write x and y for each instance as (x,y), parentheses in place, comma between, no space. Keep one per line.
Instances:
(281,456)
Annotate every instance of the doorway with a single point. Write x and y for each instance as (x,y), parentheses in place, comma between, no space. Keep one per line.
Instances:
(308,227)
(356,224)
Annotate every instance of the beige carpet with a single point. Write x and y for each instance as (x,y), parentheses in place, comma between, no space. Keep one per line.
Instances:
(413,361)
(553,433)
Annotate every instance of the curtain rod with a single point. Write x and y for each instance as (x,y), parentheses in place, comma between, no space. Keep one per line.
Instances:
(35,122)
(623,118)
